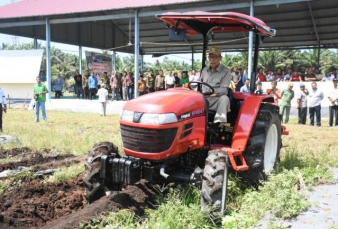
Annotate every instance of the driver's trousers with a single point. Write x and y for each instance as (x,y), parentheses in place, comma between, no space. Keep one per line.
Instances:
(221,105)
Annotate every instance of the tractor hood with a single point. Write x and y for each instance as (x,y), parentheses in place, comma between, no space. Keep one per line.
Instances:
(177,100)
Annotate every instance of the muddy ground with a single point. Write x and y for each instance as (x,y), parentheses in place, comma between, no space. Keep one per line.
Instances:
(38,204)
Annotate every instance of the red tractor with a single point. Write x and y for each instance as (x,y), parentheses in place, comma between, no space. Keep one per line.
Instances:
(168,136)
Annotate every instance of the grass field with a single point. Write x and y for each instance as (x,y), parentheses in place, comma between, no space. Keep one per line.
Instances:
(307,155)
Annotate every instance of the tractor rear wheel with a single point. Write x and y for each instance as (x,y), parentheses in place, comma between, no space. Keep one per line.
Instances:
(93,183)
(215,180)
(263,147)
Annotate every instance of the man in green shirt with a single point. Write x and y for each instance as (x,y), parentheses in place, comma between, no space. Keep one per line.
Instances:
(40,90)
(285,105)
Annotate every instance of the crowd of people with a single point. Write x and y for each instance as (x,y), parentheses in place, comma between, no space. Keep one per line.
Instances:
(120,86)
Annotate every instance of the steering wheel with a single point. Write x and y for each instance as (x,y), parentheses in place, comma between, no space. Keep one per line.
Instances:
(199,87)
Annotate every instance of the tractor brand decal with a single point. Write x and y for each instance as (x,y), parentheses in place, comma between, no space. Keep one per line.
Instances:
(184,116)
(197,112)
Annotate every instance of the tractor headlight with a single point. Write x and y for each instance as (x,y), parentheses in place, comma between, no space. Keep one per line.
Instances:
(127,115)
(149,118)
(158,118)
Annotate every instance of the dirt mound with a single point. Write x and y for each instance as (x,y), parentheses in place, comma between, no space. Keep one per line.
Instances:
(136,198)
(34,203)
(4,153)
(35,159)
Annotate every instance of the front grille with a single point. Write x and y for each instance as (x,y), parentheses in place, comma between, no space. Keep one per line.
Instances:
(147,140)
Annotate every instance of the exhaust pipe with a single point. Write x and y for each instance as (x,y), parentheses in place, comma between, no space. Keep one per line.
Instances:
(162,172)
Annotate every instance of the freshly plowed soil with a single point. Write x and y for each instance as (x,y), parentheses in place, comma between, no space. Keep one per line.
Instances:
(39,204)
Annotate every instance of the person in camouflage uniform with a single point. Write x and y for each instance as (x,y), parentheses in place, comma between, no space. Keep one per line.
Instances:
(151,81)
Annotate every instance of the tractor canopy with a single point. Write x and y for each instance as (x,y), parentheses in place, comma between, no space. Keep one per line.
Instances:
(204,22)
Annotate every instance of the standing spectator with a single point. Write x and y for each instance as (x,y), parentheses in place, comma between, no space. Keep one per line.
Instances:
(328,77)
(177,80)
(319,76)
(114,85)
(58,86)
(194,77)
(274,91)
(285,105)
(260,76)
(85,86)
(246,86)
(259,89)
(333,108)
(40,90)
(270,77)
(43,77)
(278,75)
(3,106)
(124,86)
(302,104)
(310,76)
(130,85)
(184,79)
(169,80)
(296,76)
(78,84)
(159,81)
(235,76)
(103,99)
(151,81)
(141,86)
(288,76)
(92,84)
(335,74)
(315,98)
(245,75)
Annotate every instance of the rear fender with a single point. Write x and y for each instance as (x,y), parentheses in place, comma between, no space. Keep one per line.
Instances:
(246,118)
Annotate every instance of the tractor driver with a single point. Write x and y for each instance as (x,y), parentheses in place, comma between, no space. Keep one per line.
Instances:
(218,77)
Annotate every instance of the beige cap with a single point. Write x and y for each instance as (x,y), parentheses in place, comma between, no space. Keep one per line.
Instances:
(215,50)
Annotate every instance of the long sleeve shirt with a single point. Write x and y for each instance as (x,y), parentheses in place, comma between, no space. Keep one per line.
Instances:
(219,79)
(92,82)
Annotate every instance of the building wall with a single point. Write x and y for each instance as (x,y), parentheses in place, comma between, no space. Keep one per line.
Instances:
(18,90)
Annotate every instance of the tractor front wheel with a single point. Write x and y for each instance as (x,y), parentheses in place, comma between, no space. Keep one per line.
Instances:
(215,180)
(94,185)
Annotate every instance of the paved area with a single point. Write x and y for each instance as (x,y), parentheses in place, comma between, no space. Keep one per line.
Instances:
(72,105)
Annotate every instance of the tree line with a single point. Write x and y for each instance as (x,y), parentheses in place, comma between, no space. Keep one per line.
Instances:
(65,63)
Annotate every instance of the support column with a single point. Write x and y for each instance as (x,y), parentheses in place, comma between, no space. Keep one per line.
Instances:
(80,59)
(48,61)
(137,50)
(250,42)
(114,61)
(142,64)
(318,57)
(192,59)
(35,43)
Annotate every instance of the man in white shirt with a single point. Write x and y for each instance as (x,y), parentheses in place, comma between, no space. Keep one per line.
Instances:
(333,108)
(169,80)
(103,99)
(194,76)
(315,98)
(3,105)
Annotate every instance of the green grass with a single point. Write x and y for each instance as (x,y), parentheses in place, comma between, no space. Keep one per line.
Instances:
(63,132)
(306,157)
(66,173)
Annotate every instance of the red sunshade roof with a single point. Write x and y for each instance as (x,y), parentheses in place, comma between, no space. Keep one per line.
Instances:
(217,22)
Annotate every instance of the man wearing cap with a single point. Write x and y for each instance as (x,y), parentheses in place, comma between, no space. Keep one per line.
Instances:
(285,105)
(218,77)
(302,104)
(103,99)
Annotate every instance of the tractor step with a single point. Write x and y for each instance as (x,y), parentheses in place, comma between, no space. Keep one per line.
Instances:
(232,153)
